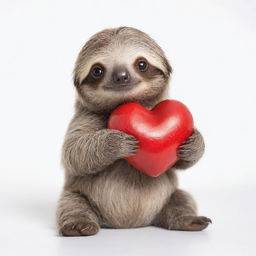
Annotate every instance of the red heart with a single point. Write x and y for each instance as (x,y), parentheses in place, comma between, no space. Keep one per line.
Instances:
(160,132)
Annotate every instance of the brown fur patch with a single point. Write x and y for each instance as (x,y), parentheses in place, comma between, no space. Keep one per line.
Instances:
(151,71)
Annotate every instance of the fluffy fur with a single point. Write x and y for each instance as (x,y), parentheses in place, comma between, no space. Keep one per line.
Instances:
(101,188)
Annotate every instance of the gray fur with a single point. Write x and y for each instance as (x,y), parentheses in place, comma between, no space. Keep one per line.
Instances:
(190,151)
(101,188)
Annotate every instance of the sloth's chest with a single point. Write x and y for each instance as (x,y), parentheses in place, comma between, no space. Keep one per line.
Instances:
(127,198)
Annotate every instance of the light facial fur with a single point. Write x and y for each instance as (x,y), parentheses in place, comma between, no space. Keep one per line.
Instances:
(115,49)
(101,188)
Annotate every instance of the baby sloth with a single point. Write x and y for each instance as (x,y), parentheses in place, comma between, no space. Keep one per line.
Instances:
(101,188)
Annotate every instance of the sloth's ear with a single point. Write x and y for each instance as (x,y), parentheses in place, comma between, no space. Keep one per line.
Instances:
(76,81)
(168,67)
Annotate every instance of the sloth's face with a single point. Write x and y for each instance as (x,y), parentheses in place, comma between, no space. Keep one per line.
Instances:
(121,78)
(121,72)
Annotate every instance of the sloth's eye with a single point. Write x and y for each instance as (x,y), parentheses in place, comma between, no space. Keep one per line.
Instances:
(97,71)
(142,65)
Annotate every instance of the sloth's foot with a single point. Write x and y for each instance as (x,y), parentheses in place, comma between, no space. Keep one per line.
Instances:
(191,223)
(80,229)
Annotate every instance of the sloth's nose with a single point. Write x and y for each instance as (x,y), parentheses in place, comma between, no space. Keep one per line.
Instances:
(121,76)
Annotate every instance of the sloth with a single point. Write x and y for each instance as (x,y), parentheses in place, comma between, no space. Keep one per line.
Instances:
(102,190)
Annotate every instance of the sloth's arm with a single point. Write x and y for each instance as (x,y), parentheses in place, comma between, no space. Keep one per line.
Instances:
(87,150)
(190,151)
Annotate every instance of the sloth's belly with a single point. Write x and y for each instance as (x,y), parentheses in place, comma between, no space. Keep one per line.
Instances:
(128,198)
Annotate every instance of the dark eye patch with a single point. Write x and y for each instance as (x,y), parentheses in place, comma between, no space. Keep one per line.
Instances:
(150,72)
(95,75)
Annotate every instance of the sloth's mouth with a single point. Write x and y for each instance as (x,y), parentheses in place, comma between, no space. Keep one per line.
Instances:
(120,87)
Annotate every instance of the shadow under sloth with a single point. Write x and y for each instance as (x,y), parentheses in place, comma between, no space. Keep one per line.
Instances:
(101,188)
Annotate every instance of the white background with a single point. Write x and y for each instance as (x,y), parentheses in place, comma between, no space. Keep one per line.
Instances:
(212,48)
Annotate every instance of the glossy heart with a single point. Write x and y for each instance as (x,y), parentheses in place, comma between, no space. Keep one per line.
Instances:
(160,132)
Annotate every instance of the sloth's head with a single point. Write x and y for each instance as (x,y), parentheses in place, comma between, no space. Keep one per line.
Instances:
(120,65)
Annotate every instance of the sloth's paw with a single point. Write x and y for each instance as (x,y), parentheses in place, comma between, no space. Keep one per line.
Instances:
(129,145)
(191,223)
(193,148)
(80,229)
(121,144)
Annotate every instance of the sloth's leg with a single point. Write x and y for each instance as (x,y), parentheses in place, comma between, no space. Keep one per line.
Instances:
(180,214)
(75,216)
